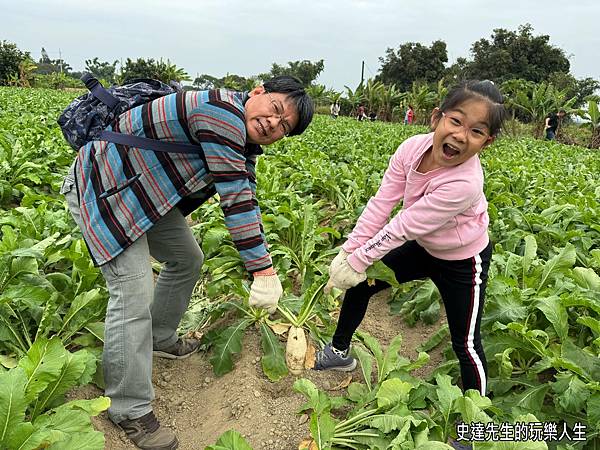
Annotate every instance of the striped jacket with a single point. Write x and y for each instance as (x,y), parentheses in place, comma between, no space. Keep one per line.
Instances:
(124,190)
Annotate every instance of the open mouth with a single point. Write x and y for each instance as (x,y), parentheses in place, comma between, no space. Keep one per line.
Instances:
(261,128)
(449,151)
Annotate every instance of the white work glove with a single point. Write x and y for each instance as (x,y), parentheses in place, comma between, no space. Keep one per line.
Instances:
(342,275)
(265,291)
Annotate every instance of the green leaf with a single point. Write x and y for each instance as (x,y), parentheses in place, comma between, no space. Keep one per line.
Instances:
(556,314)
(97,329)
(227,344)
(434,445)
(8,361)
(529,253)
(564,260)
(593,410)
(12,401)
(587,278)
(436,339)
(322,429)
(26,437)
(471,407)
(447,394)
(588,364)
(273,360)
(43,364)
(230,440)
(85,308)
(390,358)
(366,364)
(70,375)
(318,400)
(574,397)
(392,392)
(90,440)
(372,345)
(379,271)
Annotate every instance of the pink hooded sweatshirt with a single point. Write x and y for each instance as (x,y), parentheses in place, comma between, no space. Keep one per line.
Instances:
(444,210)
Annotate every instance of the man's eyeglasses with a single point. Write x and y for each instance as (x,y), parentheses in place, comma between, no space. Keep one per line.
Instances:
(454,125)
(278,112)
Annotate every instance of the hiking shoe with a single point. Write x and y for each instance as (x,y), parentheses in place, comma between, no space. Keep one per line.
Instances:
(183,348)
(147,433)
(328,359)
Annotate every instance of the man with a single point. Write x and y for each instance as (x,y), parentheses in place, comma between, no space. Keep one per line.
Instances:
(335,110)
(131,203)
(552,123)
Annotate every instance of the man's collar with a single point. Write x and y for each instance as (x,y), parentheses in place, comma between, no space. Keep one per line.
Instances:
(250,149)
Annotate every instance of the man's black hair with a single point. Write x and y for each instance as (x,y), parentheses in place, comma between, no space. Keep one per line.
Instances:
(293,89)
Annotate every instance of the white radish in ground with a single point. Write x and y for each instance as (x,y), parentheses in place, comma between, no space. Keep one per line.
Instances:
(295,350)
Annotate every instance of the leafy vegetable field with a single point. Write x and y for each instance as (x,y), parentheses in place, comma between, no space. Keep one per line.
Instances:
(541,323)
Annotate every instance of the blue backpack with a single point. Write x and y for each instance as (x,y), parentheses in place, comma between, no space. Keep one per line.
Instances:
(86,118)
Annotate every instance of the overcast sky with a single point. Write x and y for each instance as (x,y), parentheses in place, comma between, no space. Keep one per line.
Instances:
(245,37)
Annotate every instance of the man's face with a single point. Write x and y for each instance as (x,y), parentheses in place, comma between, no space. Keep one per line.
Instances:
(269,116)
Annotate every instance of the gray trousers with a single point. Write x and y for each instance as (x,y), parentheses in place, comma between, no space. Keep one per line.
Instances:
(140,314)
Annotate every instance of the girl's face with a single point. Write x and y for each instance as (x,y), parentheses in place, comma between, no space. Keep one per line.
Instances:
(460,133)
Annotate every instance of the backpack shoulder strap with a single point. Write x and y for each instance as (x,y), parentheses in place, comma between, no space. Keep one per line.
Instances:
(149,144)
(98,91)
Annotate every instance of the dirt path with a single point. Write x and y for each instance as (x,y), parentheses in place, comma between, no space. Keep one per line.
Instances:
(200,407)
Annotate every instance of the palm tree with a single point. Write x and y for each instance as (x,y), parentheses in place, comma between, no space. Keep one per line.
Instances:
(318,93)
(541,99)
(592,115)
(390,99)
(423,100)
(354,97)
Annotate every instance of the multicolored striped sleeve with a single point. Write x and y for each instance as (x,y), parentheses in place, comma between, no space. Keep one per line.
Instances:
(219,127)
(251,168)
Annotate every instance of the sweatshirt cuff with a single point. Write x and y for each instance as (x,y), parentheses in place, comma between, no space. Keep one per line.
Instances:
(349,246)
(357,264)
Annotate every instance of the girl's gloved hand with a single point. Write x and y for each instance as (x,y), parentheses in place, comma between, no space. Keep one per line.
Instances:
(341,273)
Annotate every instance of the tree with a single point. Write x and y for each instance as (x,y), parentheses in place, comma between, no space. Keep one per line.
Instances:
(10,59)
(516,54)
(413,62)
(103,70)
(592,116)
(539,100)
(583,89)
(150,68)
(305,70)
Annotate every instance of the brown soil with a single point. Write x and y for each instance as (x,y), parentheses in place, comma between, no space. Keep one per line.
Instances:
(200,407)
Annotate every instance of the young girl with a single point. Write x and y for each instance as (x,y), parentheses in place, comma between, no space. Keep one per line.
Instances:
(441,232)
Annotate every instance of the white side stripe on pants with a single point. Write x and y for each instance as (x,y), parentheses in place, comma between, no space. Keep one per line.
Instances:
(472,322)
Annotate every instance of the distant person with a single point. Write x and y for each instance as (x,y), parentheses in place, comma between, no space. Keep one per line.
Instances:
(372,116)
(335,110)
(361,113)
(552,123)
(409,117)
(131,203)
(441,232)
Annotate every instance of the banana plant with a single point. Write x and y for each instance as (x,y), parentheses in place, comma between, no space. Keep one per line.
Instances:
(592,116)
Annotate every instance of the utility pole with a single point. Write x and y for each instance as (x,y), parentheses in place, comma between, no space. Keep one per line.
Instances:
(362,73)
(60,60)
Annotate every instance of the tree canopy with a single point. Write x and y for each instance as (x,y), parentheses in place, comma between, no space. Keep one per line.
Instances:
(306,71)
(515,54)
(10,59)
(413,62)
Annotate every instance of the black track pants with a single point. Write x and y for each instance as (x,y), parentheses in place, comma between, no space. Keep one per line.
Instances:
(462,286)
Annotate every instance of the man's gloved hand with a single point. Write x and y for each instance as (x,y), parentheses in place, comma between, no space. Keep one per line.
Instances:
(342,275)
(266,290)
